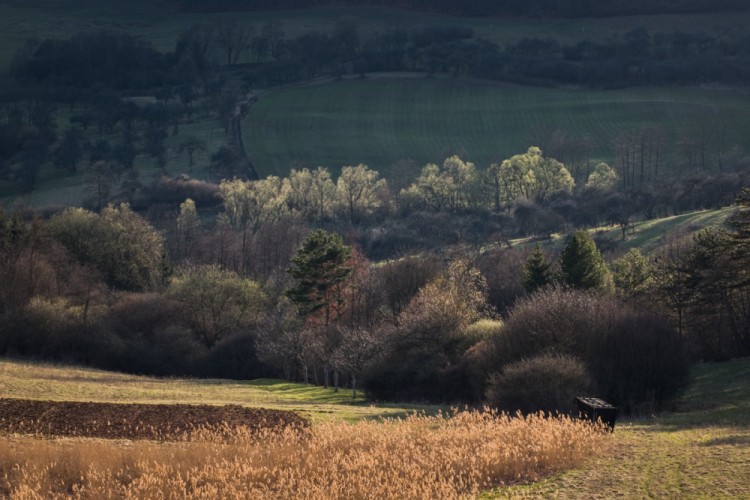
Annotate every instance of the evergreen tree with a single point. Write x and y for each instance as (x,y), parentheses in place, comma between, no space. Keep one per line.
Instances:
(537,271)
(320,268)
(632,273)
(582,265)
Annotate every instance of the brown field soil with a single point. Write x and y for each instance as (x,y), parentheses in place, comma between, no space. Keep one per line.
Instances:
(134,421)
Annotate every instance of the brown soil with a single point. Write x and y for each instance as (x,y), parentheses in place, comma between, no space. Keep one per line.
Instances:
(133,421)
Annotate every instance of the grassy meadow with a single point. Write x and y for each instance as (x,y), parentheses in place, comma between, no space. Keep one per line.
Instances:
(384,119)
(700,449)
(25,380)
(645,235)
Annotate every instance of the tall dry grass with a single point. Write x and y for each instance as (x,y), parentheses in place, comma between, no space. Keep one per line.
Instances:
(417,457)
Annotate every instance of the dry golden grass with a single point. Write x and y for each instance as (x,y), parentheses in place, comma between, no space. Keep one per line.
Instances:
(417,457)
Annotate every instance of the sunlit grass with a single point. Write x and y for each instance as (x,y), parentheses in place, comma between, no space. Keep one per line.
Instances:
(645,235)
(25,380)
(700,451)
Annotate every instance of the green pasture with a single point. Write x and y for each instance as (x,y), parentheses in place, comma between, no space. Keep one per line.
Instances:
(383,119)
(650,234)
(155,21)
(700,450)
(28,380)
(647,235)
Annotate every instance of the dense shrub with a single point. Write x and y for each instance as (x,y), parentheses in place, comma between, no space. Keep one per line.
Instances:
(634,357)
(173,191)
(54,329)
(142,314)
(547,382)
(236,358)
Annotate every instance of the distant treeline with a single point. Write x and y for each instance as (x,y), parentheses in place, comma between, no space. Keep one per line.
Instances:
(553,8)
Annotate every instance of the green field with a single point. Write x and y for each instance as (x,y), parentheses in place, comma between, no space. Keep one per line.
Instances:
(699,450)
(21,20)
(26,380)
(387,118)
(647,236)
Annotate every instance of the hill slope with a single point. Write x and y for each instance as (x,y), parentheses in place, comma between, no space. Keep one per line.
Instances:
(387,118)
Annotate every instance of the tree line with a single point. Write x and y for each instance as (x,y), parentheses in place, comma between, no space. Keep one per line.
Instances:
(556,8)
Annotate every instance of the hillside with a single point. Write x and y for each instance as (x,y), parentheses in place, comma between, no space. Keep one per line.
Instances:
(646,236)
(387,118)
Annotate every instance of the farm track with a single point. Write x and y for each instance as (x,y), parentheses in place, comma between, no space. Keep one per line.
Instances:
(133,421)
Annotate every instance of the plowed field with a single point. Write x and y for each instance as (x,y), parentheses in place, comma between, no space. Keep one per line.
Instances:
(133,421)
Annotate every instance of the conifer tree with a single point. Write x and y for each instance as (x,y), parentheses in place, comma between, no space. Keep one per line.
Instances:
(582,265)
(320,267)
(537,271)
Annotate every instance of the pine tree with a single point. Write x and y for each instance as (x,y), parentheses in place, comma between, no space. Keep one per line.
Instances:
(537,271)
(582,265)
(320,267)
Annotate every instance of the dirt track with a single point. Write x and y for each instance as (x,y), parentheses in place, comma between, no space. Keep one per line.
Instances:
(132,421)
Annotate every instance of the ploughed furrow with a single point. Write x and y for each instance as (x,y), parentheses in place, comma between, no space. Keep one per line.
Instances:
(135,421)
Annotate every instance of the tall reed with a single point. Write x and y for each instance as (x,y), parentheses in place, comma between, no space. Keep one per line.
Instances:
(443,456)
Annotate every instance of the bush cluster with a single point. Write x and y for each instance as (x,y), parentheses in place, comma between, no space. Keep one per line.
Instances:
(634,358)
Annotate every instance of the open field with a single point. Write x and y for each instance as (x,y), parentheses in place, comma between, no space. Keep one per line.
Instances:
(156,22)
(701,451)
(387,118)
(646,235)
(136,421)
(379,121)
(698,450)
(23,380)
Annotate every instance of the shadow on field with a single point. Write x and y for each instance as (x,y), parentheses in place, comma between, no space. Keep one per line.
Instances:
(735,440)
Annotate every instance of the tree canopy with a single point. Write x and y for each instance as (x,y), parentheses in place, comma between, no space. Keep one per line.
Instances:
(582,265)
(320,267)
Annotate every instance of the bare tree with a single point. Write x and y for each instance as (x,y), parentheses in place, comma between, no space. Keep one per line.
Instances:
(234,39)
